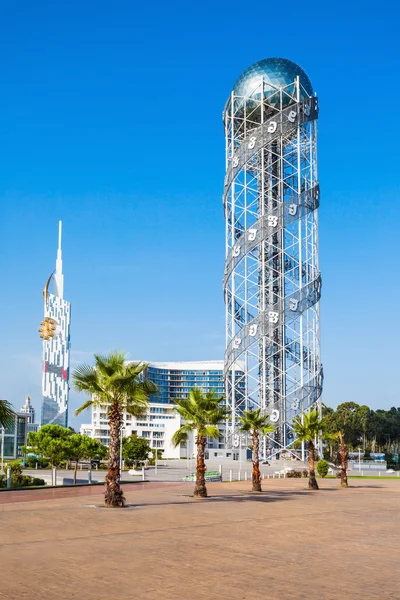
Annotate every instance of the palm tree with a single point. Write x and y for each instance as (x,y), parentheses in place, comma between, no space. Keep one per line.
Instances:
(116,383)
(202,414)
(255,423)
(307,428)
(7,415)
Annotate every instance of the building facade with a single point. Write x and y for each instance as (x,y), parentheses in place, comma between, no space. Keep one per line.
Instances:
(29,413)
(272,282)
(174,380)
(13,438)
(28,410)
(55,332)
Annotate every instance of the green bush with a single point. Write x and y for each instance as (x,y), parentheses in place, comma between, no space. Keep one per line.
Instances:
(32,461)
(293,473)
(14,465)
(18,480)
(38,481)
(322,468)
(305,473)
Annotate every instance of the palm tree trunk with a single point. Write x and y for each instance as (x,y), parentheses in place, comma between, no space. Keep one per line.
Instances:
(114,496)
(75,470)
(343,461)
(200,490)
(256,475)
(312,482)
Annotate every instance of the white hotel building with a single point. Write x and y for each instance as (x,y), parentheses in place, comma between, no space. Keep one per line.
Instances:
(174,380)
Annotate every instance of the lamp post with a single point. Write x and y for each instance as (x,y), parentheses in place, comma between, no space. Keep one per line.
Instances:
(359,459)
(2,449)
(120,450)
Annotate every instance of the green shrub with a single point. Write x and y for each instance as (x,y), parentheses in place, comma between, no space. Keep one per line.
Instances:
(322,468)
(38,481)
(18,480)
(293,474)
(32,461)
(305,473)
(14,465)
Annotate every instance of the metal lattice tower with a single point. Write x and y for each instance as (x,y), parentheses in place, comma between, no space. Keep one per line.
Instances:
(272,282)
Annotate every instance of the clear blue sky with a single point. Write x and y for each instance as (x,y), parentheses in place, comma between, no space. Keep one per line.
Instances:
(111,121)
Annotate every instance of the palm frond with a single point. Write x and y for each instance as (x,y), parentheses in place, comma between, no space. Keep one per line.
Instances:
(201,412)
(210,431)
(253,420)
(308,426)
(84,406)
(181,435)
(246,426)
(110,364)
(218,415)
(138,410)
(7,415)
(134,368)
(85,379)
(268,429)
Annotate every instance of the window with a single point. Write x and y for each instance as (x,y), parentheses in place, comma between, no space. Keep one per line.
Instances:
(146,434)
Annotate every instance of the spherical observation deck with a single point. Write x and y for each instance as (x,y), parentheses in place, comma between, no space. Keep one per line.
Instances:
(277,74)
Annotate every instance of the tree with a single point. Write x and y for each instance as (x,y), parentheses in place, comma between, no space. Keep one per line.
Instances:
(362,416)
(322,468)
(82,447)
(135,449)
(347,419)
(255,423)
(155,453)
(307,431)
(51,441)
(116,383)
(202,414)
(7,415)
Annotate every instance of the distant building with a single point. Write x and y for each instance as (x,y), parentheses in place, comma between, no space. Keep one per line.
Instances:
(28,410)
(29,413)
(13,438)
(174,380)
(56,346)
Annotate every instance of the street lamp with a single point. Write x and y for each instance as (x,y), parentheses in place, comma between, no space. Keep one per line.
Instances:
(2,448)
(120,449)
(359,459)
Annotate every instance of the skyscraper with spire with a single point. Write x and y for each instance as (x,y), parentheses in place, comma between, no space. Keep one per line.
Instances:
(55,332)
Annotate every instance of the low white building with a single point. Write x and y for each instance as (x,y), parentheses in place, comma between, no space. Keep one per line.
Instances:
(158,428)
(174,380)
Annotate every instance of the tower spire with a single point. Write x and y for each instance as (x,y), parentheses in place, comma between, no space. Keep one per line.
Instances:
(58,276)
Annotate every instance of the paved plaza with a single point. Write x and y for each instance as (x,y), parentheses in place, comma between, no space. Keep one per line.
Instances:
(286,543)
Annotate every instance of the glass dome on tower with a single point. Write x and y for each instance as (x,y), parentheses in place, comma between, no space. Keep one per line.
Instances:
(279,76)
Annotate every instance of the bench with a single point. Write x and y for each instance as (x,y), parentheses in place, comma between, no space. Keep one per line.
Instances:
(209,476)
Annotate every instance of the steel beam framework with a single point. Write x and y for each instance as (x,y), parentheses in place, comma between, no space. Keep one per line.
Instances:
(272,283)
